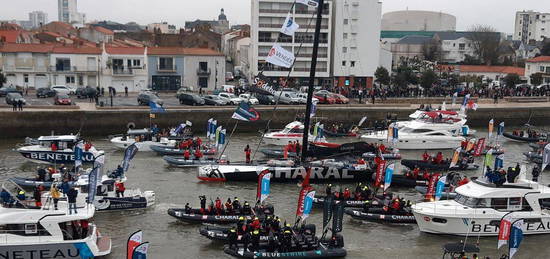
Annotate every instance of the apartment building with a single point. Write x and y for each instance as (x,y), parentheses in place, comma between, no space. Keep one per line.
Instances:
(124,67)
(531,26)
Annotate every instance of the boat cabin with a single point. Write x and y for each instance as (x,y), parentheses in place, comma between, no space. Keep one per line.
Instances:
(294,127)
(138,134)
(61,142)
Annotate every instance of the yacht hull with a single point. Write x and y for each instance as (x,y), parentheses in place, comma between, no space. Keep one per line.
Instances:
(59,157)
(144,146)
(76,250)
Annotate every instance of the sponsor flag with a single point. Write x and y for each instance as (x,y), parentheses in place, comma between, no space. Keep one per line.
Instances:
(208,127)
(456,155)
(280,57)
(156,108)
(430,191)
(440,187)
(316,129)
(545,157)
(444,106)
(78,154)
(388,177)
(499,161)
(245,112)
(504,230)
(129,154)
(516,236)
(221,139)
(92,183)
(455,95)
(362,121)
(263,185)
(464,103)
(180,128)
(390,132)
(301,198)
(308,204)
(217,134)
(289,27)
(395,134)
(480,146)
(489,158)
(470,145)
(312,3)
(491,125)
(133,241)
(140,252)
(313,108)
(306,177)
(500,129)
(379,172)
(213,128)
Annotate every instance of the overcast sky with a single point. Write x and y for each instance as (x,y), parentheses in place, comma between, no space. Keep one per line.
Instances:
(498,13)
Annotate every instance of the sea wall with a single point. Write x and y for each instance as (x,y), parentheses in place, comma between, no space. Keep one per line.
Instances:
(107,122)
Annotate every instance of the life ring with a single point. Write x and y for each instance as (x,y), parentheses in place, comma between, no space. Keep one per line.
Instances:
(130,125)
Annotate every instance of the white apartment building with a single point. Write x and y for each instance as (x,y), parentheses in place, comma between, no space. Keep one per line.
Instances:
(531,25)
(455,46)
(124,67)
(356,41)
(68,12)
(75,66)
(26,65)
(268,17)
(38,18)
(538,65)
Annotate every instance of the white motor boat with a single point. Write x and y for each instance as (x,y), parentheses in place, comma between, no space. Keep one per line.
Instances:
(293,131)
(57,149)
(416,136)
(143,139)
(479,207)
(32,232)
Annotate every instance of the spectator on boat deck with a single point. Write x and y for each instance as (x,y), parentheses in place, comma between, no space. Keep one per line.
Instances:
(438,158)
(425,156)
(218,206)
(65,186)
(155,130)
(37,195)
(41,173)
(87,146)
(6,198)
(54,146)
(229,207)
(55,194)
(535,173)
(119,172)
(518,168)
(198,153)
(247,152)
(246,208)
(187,208)
(120,188)
(186,154)
(84,227)
(511,174)
(71,198)
(463,181)
(203,203)
(328,190)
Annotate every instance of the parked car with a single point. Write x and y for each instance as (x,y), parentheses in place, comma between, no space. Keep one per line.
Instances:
(304,96)
(45,92)
(229,76)
(62,99)
(248,98)
(63,89)
(183,90)
(325,97)
(144,98)
(214,100)
(7,89)
(12,98)
(286,98)
(85,92)
(191,99)
(265,99)
(338,98)
(231,98)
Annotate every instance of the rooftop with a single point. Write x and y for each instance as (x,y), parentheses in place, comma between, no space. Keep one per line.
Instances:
(33,48)
(414,40)
(103,30)
(539,59)
(183,51)
(125,50)
(484,69)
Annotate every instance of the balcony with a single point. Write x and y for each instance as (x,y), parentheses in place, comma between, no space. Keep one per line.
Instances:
(279,25)
(164,68)
(73,69)
(123,71)
(203,72)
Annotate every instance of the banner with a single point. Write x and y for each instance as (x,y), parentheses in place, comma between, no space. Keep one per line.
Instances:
(289,27)
(280,57)
(456,155)
(430,191)
(213,127)
(464,103)
(395,134)
(156,108)
(379,173)
(455,95)
(133,241)
(471,145)
(78,154)
(499,161)
(440,187)
(129,154)
(388,177)
(217,134)
(337,221)
(312,3)
(516,236)
(545,157)
(327,210)
(245,112)
(504,230)
(313,108)
(264,180)
(92,184)
(140,252)
(362,121)
(500,129)
(489,158)
(480,146)
(308,204)
(209,128)
(390,132)
(301,198)
(491,122)
(221,138)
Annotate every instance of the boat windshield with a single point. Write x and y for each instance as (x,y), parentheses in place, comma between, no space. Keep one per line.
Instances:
(467,201)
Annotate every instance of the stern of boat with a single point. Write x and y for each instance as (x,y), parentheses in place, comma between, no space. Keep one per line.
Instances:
(149,197)
(98,244)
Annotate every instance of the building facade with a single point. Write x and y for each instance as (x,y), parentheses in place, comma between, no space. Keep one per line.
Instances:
(38,18)
(75,66)
(412,20)
(68,12)
(162,27)
(540,65)
(96,34)
(220,26)
(124,67)
(531,26)
(455,46)
(26,65)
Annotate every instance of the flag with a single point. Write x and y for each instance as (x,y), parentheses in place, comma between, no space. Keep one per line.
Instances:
(470,145)
(133,241)
(499,161)
(320,132)
(313,108)
(213,127)
(390,132)
(440,187)
(456,155)
(312,3)
(516,236)
(430,191)
(221,139)
(301,199)
(308,204)
(504,230)
(379,172)
(444,106)
(156,108)
(208,128)
(491,122)
(395,134)
(306,178)
(245,112)
(92,183)
(464,103)
(140,252)
(217,134)
(388,177)
(362,121)
(263,185)
(489,158)
(480,146)
(455,95)
(289,27)
(280,57)
(545,157)
(78,154)
(316,129)
(500,129)
(129,154)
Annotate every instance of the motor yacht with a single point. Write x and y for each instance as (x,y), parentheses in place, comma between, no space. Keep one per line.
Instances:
(293,131)
(143,139)
(479,207)
(57,149)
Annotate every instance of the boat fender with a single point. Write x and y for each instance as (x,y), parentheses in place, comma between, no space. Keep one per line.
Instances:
(130,125)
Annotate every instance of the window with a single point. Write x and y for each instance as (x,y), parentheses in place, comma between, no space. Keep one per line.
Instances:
(352,63)
(62,64)
(166,64)
(541,68)
(454,44)
(499,203)
(547,70)
(343,63)
(344,50)
(80,80)
(346,21)
(31,229)
(461,46)
(69,79)
(203,82)
(118,64)
(26,78)
(203,66)
(136,63)
(345,36)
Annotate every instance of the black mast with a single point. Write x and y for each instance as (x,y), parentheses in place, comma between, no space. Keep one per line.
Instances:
(312,78)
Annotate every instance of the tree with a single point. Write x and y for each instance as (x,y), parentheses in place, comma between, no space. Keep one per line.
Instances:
(512,80)
(382,76)
(431,50)
(428,78)
(2,78)
(405,76)
(536,79)
(486,43)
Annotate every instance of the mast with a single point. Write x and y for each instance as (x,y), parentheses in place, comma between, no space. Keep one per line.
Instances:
(311,79)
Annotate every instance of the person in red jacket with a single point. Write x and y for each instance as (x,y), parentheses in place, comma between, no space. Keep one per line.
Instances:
(119,188)
(255,223)
(347,194)
(416,172)
(382,148)
(438,158)
(54,146)
(87,146)
(186,154)
(247,152)
(218,206)
(463,181)
(198,153)
(425,156)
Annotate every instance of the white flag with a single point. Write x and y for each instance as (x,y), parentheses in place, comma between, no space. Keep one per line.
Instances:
(280,57)
(289,27)
(545,157)
(312,3)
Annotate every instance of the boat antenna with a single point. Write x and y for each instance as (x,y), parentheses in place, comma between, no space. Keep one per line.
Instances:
(307,117)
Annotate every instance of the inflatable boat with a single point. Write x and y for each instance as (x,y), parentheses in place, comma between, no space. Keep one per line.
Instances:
(170,151)
(320,252)
(195,216)
(523,139)
(179,161)
(438,167)
(381,217)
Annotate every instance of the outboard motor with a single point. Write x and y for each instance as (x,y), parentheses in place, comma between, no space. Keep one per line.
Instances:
(337,241)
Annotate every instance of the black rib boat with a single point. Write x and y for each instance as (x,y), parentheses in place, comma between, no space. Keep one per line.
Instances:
(439,167)
(321,252)
(195,216)
(380,217)
(523,139)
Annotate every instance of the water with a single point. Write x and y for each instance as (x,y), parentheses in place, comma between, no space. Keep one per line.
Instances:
(175,186)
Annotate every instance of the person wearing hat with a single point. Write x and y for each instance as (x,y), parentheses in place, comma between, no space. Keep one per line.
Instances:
(55,194)
(21,197)
(255,240)
(236,206)
(246,209)
(232,238)
(229,207)
(328,190)
(41,174)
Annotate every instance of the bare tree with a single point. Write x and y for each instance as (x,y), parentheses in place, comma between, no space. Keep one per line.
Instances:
(486,43)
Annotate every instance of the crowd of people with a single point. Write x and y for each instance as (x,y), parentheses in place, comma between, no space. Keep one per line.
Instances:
(218,208)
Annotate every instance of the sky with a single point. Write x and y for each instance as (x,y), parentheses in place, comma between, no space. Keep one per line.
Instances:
(498,13)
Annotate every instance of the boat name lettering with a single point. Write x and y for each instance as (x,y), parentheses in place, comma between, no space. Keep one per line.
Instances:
(528,226)
(316,173)
(87,157)
(289,254)
(40,253)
